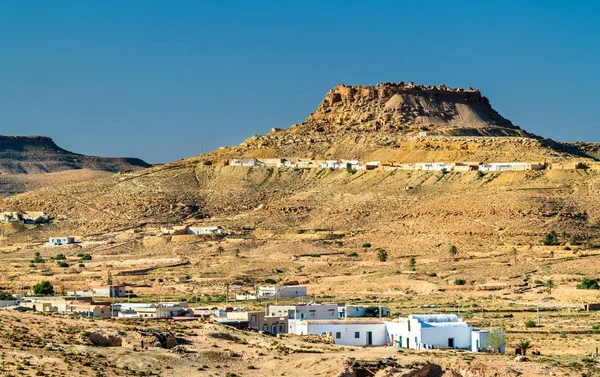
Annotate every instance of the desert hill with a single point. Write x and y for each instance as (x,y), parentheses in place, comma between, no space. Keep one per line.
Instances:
(39,154)
(378,122)
(405,123)
(31,162)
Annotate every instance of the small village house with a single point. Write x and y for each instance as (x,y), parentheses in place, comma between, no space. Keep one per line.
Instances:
(115,290)
(250,162)
(429,331)
(216,230)
(358,311)
(90,309)
(60,241)
(282,291)
(480,341)
(299,312)
(372,165)
(347,333)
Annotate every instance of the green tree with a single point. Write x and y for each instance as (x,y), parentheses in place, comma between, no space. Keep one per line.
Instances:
(453,251)
(524,345)
(43,288)
(237,253)
(496,340)
(551,239)
(6,296)
(60,257)
(220,250)
(382,255)
(109,278)
(549,285)
(412,263)
(589,284)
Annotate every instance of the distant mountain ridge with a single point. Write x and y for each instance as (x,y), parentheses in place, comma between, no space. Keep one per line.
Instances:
(40,154)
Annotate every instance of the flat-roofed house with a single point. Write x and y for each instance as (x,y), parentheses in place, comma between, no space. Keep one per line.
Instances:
(205,230)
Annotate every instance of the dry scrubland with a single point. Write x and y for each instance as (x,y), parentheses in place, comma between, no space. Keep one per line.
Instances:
(313,227)
(311,224)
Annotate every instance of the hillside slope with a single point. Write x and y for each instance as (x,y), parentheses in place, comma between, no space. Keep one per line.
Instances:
(39,154)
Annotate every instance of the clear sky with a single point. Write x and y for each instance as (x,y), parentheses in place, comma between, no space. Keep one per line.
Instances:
(163,80)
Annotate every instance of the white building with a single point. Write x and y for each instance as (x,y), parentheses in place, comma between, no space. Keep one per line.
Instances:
(505,166)
(433,166)
(205,230)
(430,331)
(347,333)
(115,290)
(28,217)
(282,291)
(246,162)
(300,312)
(331,164)
(356,311)
(60,241)
(479,341)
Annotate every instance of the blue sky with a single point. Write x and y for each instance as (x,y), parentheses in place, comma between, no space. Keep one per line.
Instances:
(164,80)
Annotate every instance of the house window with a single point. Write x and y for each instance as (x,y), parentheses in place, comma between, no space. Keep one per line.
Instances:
(357,335)
(338,335)
(252,318)
(312,314)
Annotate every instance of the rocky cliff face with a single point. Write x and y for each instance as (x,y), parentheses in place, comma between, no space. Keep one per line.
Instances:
(406,108)
(39,154)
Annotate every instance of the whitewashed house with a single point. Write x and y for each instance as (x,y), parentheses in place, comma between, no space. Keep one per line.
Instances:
(429,331)
(479,341)
(433,166)
(300,312)
(245,162)
(60,241)
(358,311)
(347,333)
(205,230)
(282,291)
(505,166)
(330,164)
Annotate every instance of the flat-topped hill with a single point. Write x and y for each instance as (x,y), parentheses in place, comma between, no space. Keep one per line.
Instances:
(39,154)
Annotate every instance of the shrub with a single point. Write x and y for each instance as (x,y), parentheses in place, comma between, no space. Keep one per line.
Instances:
(589,284)
(551,239)
(382,255)
(530,324)
(59,257)
(366,245)
(432,274)
(85,256)
(460,281)
(43,288)
(480,174)
(6,296)
(353,254)
(62,264)
(81,265)
(412,263)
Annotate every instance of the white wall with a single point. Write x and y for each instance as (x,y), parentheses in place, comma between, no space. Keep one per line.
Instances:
(346,332)
(438,336)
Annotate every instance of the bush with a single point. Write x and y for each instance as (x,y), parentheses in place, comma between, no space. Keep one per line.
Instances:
(382,255)
(551,239)
(589,284)
(62,264)
(81,265)
(6,296)
(366,245)
(530,324)
(43,288)
(59,257)
(538,282)
(460,281)
(432,274)
(353,254)
(480,174)
(84,256)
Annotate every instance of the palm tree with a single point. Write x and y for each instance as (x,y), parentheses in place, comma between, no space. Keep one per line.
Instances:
(524,345)
(514,253)
(550,284)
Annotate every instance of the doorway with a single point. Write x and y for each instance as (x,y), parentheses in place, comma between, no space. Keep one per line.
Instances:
(369,338)
(450,342)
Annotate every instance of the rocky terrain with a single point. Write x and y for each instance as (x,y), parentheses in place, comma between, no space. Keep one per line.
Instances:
(323,228)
